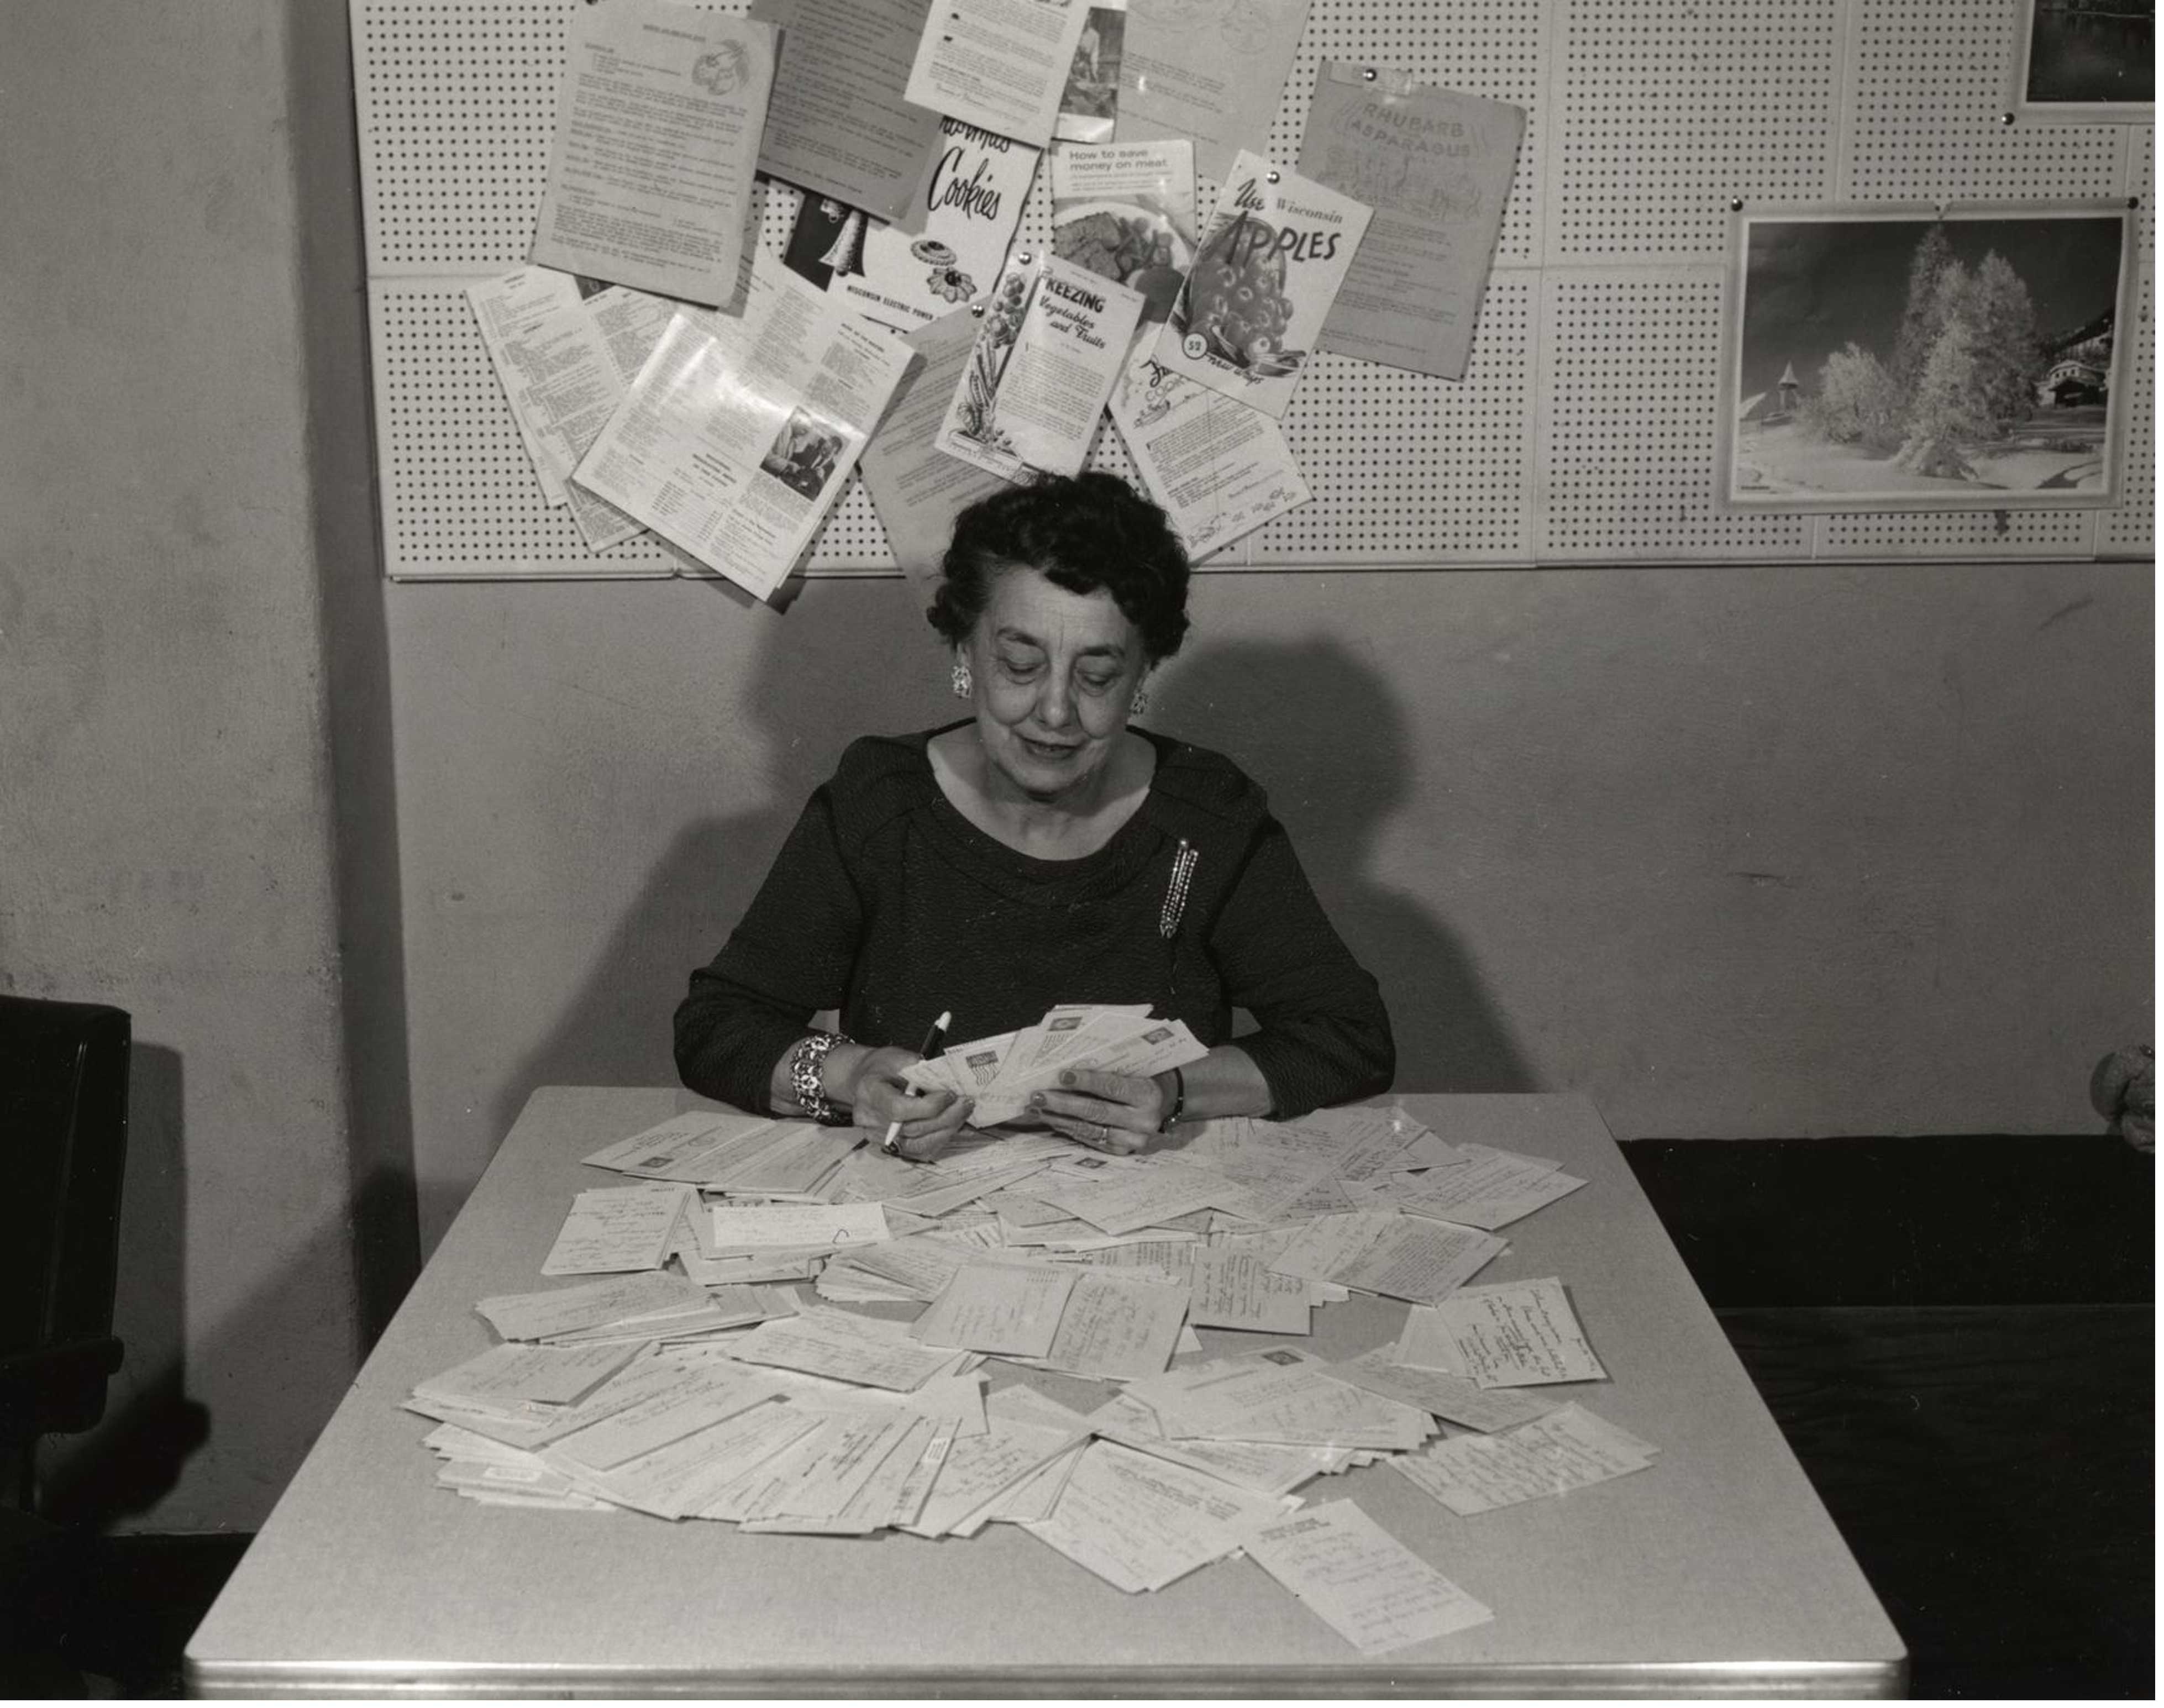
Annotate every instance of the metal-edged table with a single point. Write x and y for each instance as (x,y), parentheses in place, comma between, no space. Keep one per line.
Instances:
(1715,1572)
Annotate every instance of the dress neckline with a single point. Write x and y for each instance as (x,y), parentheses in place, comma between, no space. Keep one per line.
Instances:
(1030,877)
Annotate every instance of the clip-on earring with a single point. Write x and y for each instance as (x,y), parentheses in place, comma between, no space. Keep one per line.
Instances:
(964,687)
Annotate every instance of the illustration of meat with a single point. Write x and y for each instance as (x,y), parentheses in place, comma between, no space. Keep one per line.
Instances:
(1093,241)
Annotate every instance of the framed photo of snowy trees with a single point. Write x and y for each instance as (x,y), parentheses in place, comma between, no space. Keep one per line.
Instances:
(1904,358)
(2085,61)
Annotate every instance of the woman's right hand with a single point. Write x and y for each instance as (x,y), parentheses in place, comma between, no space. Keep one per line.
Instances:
(878,1097)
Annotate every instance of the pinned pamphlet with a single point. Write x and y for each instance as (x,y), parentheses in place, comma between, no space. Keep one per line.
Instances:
(916,487)
(1126,211)
(1000,64)
(947,248)
(837,124)
(1435,164)
(1051,345)
(739,434)
(1211,70)
(565,349)
(1089,105)
(1262,284)
(1217,468)
(543,349)
(657,123)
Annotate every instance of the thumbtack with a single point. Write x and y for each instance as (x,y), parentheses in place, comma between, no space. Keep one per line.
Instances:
(977,309)
(1023,258)
(1271,177)
(1369,74)
(2006,118)
(1735,204)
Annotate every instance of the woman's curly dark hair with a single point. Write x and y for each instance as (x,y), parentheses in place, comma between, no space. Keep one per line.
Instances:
(1085,531)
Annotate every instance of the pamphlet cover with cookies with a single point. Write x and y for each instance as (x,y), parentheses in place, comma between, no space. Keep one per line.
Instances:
(946,251)
(1262,281)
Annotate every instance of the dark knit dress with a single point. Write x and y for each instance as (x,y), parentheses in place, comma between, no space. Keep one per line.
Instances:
(887,904)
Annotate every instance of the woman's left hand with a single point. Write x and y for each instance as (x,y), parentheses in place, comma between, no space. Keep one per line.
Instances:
(1111,1112)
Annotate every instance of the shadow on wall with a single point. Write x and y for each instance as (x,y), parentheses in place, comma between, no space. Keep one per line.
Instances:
(386,1253)
(1321,733)
(153,1428)
(1316,727)
(616,1030)
(802,706)
(133,1457)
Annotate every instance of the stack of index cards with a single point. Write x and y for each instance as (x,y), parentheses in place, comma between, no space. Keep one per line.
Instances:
(1567,1449)
(742,1155)
(914,1267)
(1378,1251)
(974,1166)
(799,1230)
(1001,1072)
(1513,1334)
(850,1348)
(1480,1186)
(616,1230)
(1280,1395)
(1083,1321)
(656,1307)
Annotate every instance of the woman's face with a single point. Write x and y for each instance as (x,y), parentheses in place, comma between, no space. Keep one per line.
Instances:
(1056,673)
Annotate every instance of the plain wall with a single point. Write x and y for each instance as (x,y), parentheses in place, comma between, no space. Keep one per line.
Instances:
(167,830)
(1748,852)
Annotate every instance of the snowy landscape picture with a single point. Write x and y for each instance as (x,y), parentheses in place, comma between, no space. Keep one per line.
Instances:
(1898,359)
(2086,61)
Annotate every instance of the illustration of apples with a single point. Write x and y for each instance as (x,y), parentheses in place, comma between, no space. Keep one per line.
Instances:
(1235,297)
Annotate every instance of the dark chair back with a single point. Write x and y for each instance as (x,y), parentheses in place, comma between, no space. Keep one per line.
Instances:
(63,1144)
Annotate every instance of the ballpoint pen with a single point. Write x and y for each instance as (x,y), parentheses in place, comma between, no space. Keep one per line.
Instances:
(934,1040)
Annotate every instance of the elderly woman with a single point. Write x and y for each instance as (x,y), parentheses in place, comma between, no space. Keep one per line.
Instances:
(1044,851)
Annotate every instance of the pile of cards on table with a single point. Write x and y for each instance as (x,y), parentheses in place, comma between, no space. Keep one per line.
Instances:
(725,1152)
(630,1310)
(682,1383)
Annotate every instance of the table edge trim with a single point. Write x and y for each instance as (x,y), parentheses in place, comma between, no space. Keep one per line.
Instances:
(1887,1677)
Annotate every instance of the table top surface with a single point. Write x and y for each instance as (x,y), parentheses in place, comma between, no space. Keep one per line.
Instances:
(1715,1571)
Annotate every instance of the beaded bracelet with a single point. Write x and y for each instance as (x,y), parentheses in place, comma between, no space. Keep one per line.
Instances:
(804,1067)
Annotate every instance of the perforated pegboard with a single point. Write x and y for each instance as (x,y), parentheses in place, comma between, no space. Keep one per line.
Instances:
(2141,186)
(1476,45)
(1584,430)
(1930,105)
(1443,478)
(459,497)
(1631,364)
(2130,529)
(454,101)
(1966,535)
(1662,113)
